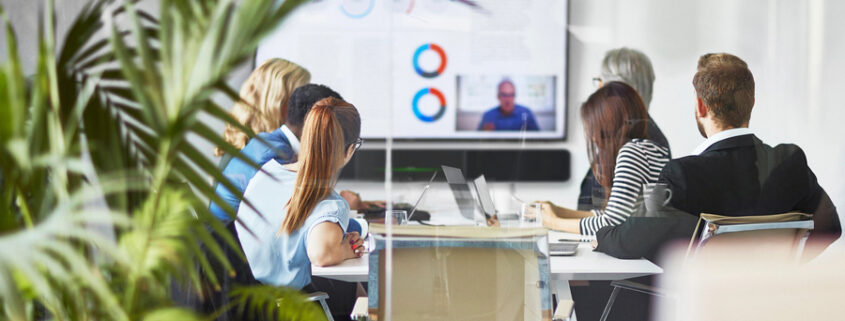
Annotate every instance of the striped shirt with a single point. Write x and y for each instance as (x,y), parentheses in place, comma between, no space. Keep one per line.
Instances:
(639,162)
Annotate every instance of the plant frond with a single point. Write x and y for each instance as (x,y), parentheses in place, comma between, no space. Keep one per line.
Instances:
(268,302)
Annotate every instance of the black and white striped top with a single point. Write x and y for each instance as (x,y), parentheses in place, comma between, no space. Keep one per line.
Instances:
(639,162)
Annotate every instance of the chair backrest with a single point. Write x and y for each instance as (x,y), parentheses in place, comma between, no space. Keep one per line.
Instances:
(782,235)
(730,286)
(461,273)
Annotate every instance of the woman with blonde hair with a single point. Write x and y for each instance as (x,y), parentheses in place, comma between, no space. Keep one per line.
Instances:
(264,100)
(297,218)
(263,108)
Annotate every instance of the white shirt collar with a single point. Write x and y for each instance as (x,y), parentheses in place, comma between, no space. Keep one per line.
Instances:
(720,136)
(294,142)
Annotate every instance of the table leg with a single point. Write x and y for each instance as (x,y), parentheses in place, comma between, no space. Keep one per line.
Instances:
(561,290)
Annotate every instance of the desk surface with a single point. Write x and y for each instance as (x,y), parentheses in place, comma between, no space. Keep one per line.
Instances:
(585,265)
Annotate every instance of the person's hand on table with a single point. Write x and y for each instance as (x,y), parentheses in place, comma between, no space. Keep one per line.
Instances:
(356,246)
(352,198)
(595,244)
(370,204)
(549,217)
(355,202)
(561,218)
(548,207)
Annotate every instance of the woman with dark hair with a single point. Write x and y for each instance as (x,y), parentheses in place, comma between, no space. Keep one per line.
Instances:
(297,218)
(622,158)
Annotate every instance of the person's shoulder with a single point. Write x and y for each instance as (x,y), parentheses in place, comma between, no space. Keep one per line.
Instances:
(789,150)
(263,142)
(333,208)
(636,145)
(492,111)
(648,146)
(266,146)
(274,172)
(333,203)
(522,109)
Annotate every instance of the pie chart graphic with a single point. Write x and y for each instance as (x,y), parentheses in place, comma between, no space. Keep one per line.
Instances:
(429,73)
(429,91)
(357,9)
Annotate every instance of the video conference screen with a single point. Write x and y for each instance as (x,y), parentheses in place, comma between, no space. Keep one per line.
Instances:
(436,69)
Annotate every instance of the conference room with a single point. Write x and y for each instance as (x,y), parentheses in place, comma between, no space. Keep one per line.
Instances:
(421,160)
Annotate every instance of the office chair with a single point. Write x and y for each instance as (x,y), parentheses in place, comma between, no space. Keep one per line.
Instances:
(778,235)
(727,285)
(219,298)
(461,273)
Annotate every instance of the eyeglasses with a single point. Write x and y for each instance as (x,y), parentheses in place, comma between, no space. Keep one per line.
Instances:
(597,81)
(357,144)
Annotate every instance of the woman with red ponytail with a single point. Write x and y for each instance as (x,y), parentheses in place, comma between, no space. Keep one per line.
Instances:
(297,218)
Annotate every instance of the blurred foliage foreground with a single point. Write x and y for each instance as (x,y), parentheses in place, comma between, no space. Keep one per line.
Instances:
(103,200)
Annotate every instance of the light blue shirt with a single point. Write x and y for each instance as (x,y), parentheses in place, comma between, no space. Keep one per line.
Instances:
(280,258)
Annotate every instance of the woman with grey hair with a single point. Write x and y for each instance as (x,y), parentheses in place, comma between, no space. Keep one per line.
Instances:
(633,68)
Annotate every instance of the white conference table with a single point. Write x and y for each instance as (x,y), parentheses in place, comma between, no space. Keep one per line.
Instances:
(586,265)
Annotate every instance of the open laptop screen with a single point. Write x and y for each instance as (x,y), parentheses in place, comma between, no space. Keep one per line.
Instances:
(460,189)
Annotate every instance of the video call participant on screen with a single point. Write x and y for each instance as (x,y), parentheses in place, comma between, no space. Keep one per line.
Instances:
(508,115)
(633,68)
(282,145)
(731,173)
(302,219)
(615,125)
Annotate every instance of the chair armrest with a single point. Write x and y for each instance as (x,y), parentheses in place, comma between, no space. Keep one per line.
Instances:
(317,296)
(564,310)
(360,310)
(638,287)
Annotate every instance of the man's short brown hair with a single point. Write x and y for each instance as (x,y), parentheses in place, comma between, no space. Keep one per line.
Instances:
(718,59)
(726,86)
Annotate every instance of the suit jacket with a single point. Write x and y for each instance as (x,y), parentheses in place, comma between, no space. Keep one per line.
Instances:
(592,193)
(738,176)
(259,149)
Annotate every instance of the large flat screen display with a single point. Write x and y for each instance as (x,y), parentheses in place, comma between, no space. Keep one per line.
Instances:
(436,69)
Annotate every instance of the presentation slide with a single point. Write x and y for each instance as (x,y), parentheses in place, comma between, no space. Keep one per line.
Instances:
(436,69)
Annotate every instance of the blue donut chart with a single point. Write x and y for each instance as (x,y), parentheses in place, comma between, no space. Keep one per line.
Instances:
(440,97)
(440,52)
(358,15)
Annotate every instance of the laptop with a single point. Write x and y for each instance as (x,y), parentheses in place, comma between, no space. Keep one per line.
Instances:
(485,200)
(422,195)
(563,249)
(460,189)
(414,214)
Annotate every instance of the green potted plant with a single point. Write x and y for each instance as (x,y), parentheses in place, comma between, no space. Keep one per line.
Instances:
(103,199)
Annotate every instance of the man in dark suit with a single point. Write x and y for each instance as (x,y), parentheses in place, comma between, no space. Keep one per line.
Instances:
(732,173)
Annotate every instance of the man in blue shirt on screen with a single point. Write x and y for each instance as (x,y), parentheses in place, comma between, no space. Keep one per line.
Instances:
(508,115)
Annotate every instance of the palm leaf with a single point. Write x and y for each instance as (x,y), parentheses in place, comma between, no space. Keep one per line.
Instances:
(45,257)
(168,314)
(268,302)
(128,105)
